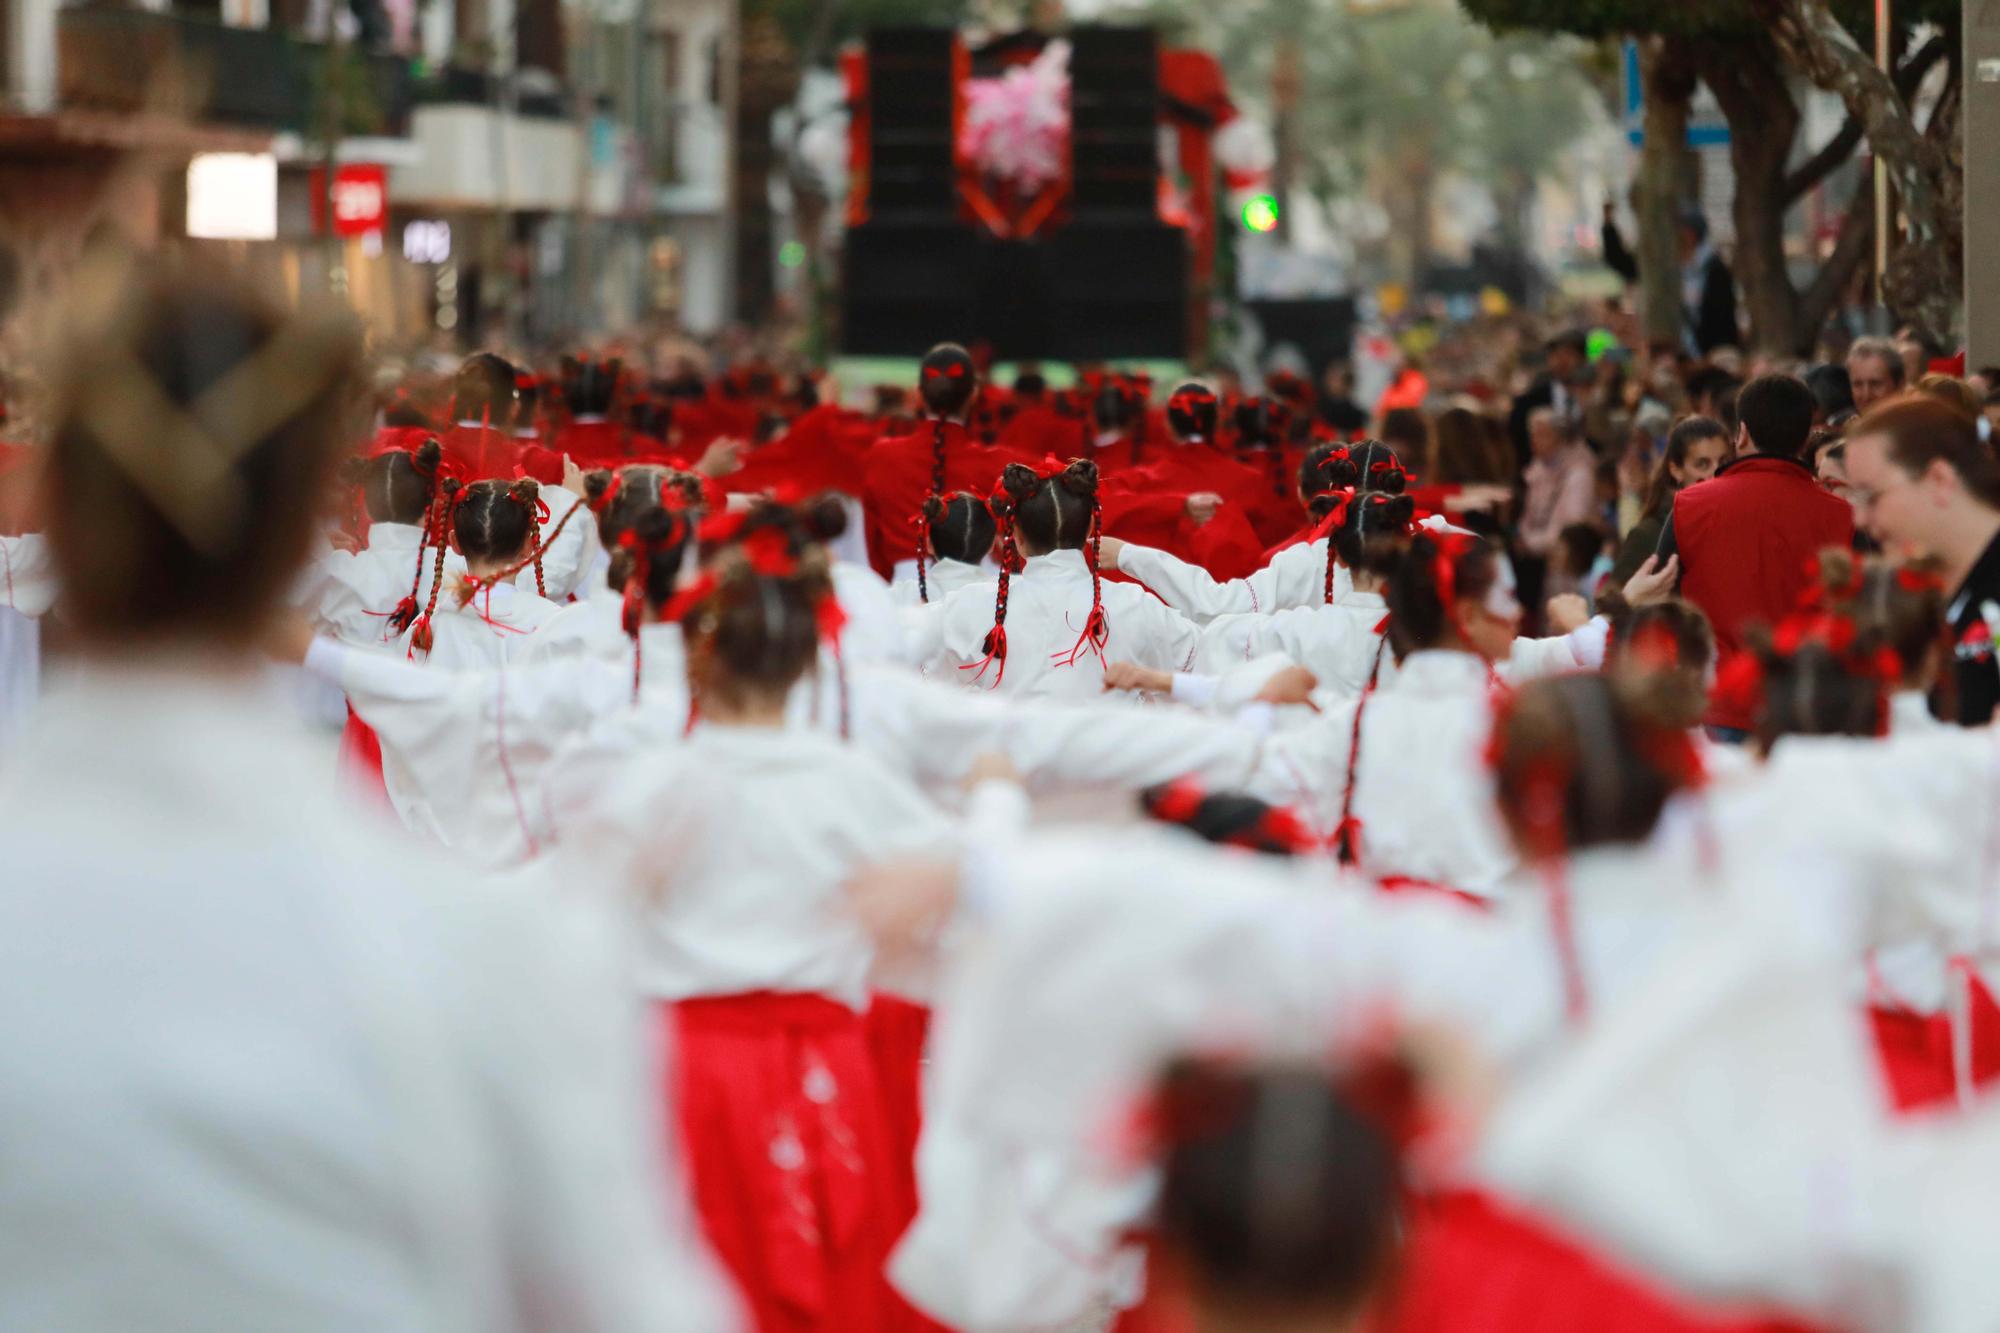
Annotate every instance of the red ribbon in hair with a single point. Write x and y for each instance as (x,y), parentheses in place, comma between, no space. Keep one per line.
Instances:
(685,602)
(603,502)
(1178,803)
(719,529)
(769,553)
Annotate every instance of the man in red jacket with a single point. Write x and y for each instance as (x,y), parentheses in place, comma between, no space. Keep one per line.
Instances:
(1746,537)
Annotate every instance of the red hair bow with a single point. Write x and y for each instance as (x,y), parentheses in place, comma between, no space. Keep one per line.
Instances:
(1178,803)
(770,554)
(721,529)
(685,602)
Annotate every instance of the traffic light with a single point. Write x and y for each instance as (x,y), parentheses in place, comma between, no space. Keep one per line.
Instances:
(1260,213)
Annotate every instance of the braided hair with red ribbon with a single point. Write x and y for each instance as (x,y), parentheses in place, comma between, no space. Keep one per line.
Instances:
(947,379)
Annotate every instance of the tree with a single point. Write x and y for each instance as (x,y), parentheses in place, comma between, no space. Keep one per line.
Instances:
(1923,280)
(1398,99)
(1745,51)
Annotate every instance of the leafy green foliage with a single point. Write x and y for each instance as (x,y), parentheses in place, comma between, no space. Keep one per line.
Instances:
(1400,95)
(1683,18)
(853,18)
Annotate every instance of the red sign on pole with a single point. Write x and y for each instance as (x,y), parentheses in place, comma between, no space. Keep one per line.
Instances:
(360,198)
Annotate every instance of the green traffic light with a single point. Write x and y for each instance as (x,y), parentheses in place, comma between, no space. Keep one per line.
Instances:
(1260,213)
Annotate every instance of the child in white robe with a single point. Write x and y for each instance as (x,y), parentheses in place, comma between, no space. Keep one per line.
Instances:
(267,1068)
(1048,629)
(1296,575)
(464,751)
(593,625)
(731,849)
(959,533)
(484,613)
(369,597)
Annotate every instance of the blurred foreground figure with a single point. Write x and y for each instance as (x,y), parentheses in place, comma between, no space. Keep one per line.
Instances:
(262,1067)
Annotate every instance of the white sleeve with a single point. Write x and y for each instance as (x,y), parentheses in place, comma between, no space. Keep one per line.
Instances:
(928,731)
(874,630)
(27,574)
(922,626)
(1193,690)
(1127,745)
(1531,658)
(1238,688)
(1165,639)
(1164,942)
(1294,577)
(1715,1127)
(1305,767)
(1588,641)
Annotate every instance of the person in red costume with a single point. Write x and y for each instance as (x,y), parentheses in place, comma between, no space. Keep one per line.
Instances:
(1040,420)
(1261,437)
(595,432)
(941,456)
(1117,432)
(1191,499)
(480,441)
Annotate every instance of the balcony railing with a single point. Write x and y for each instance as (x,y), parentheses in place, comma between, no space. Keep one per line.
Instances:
(456,84)
(128,60)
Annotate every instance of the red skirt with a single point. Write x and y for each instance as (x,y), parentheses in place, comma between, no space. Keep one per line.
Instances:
(1921,1054)
(896,1033)
(1475,1266)
(360,760)
(781,1123)
(1472,1265)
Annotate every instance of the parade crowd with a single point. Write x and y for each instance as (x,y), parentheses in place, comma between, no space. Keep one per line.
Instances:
(988,854)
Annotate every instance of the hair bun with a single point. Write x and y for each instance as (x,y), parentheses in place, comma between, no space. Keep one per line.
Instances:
(1080,477)
(1019,481)
(429,454)
(524,490)
(595,483)
(824,516)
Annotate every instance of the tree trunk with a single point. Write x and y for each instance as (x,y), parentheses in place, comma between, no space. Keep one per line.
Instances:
(1748,80)
(1922,285)
(769,79)
(1659,193)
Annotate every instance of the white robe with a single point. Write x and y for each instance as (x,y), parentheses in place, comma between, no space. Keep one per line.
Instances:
(942,578)
(484,631)
(1337,642)
(463,752)
(269,1067)
(1296,576)
(733,848)
(571,556)
(1047,605)
(1422,790)
(356,590)
(1726,1131)
(27,591)
(1168,946)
